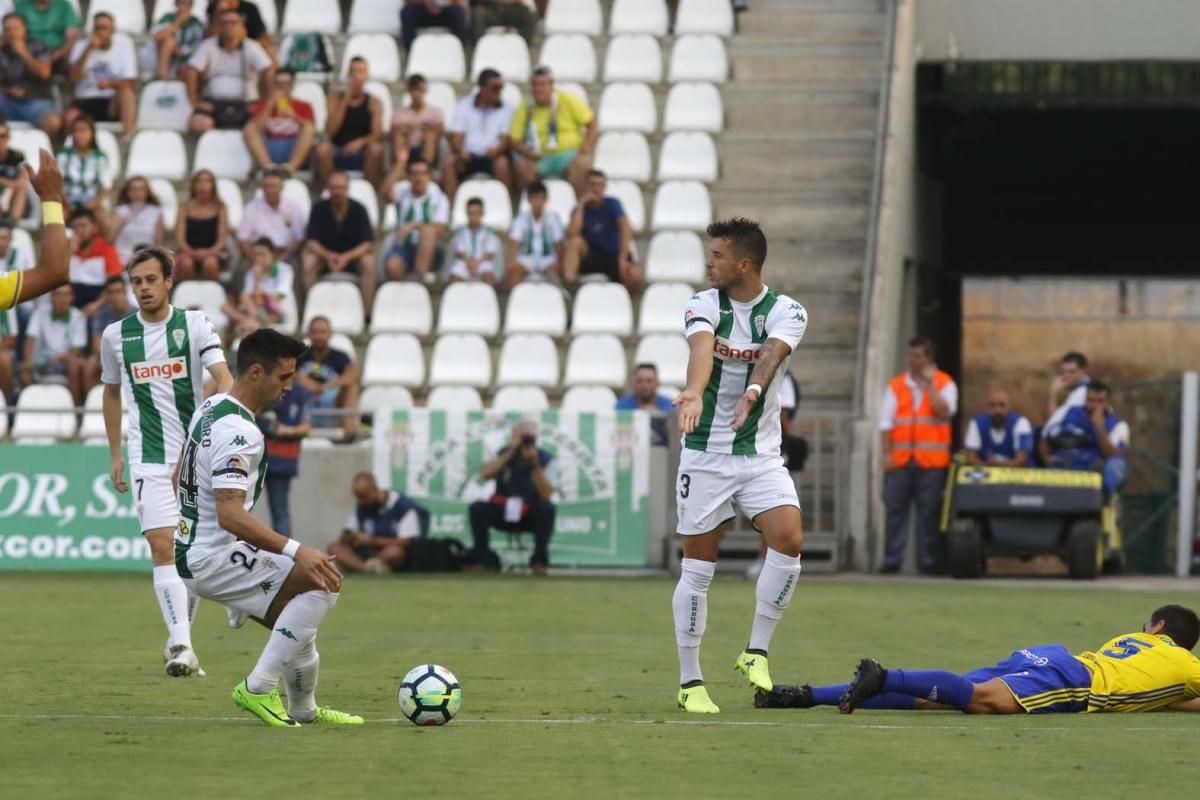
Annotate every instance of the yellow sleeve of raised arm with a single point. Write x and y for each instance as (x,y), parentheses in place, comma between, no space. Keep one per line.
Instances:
(10,288)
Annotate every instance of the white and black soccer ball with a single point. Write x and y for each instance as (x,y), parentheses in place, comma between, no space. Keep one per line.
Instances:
(430,695)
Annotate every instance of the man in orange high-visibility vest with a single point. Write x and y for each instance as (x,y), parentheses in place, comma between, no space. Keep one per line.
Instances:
(914,424)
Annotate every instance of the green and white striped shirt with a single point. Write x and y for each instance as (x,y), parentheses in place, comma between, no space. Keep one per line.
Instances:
(433,206)
(537,237)
(160,366)
(475,243)
(83,173)
(740,330)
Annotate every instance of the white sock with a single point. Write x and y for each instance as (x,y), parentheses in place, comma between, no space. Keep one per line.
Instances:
(193,605)
(776,583)
(295,629)
(300,680)
(172,597)
(690,606)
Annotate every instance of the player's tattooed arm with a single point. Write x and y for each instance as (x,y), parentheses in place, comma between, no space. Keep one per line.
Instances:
(229,496)
(772,354)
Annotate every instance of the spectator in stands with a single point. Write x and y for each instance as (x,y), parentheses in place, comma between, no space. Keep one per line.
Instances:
(999,435)
(281,219)
(12,258)
(645,396)
(416,130)
(521,501)
(104,69)
(54,343)
(224,77)
(478,135)
(201,230)
(1069,386)
(176,36)
(8,352)
(284,427)
(535,243)
(25,91)
(1090,437)
(340,239)
(306,51)
(281,129)
(54,23)
(14,186)
(422,214)
(378,530)
(116,306)
(93,261)
(514,14)
(84,166)
(600,238)
(914,424)
(137,219)
(267,293)
(329,376)
(553,135)
(476,248)
(449,14)
(252,22)
(354,127)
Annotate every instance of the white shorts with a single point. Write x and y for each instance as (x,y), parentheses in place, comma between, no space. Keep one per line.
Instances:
(710,483)
(536,264)
(459,270)
(236,575)
(154,496)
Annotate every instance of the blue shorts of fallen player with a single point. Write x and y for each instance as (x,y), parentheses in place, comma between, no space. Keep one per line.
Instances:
(1044,679)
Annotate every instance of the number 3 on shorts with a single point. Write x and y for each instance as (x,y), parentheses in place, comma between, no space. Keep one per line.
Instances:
(685,485)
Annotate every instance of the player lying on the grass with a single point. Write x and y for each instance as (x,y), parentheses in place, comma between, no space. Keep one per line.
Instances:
(223,553)
(1143,671)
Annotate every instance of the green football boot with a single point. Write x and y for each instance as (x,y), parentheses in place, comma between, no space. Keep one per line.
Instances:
(753,664)
(694,699)
(330,716)
(267,707)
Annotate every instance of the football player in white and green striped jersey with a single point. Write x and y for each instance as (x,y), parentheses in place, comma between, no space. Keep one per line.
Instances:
(154,361)
(740,334)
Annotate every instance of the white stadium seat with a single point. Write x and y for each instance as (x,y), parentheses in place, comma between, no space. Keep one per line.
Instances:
(663,307)
(156,154)
(362,191)
(207,296)
(698,58)
(575,88)
(497,208)
(376,398)
(4,418)
(638,16)
(688,155)
(574,16)
(439,94)
(461,359)
(35,413)
(571,56)
(588,398)
(454,398)
(29,141)
(340,302)
(270,16)
(129,16)
(164,105)
(602,308)
(596,359)
(628,106)
(311,16)
(675,256)
(22,242)
(93,415)
(379,90)
(379,50)
(694,107)
(506,53)
(560,198)
(623,155)
(704,16)
(439,57)
(520,399)
(633,57)
(536,308)
(230,193)
(164,190)
(340,341)
(528,359)
(393,359)
(225,153)
(106,140)
(682,205)
(402,307)
(510,95)
(375,16)
(668,353)
(312,93)
(469,307)
(630,195)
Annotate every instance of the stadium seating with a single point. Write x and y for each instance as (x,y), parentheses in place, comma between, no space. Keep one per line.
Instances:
(682,205)
(602,308)
(506,53)
(497,208)
(106,140)
(35,420)
(380,90)
(528,359)
(340,341)
(341,302)
(461,359)
(29,141)
(698,58)
(312,16)
(663,306)
(668,353)
(164,105)
(375,16)
(535,308)
(694,107)
(439,94)
(574,16)
(588,398)
(633,57)
(374,398)
(129,16)
(381,53)
(157,154)
(454,398)
(362,191)
(225,153)
(630,195)
(624,155)
(266,8)
(688,156)
(164,190)
(628,106)
(93,415)
(575,88)
(23,242)
(704,16)
(596,359)
(469,307)
(675,256)
(208,296)
(4,417)
(393,359)
(571,56)
(638,16)
(402,307)
(312,93)
(439,57)
(231,195)
(520,399)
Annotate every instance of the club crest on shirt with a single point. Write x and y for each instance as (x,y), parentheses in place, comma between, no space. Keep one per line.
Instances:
(236,462)
(178,335)
(759,323)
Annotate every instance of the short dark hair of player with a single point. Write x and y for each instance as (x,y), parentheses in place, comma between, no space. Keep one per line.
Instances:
(925,343)
(266,347)
(537,187)
(1076,358)
(166,261)
(646,365)
(745,236)
(265,241)
(1099,387)
(1180,623)
(475,201)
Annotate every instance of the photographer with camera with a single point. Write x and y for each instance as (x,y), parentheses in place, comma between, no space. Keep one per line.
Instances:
(521,501)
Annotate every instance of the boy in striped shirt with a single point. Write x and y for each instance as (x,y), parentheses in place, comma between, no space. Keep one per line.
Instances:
(155,359)
(475,247)
(536,239)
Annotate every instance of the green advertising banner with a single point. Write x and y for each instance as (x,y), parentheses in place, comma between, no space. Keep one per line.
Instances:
(59,510)
(600,474)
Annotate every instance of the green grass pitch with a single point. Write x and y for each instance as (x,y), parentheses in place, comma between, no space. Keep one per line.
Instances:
(569,688)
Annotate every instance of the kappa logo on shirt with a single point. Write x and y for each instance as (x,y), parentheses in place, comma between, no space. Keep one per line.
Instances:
(167,369)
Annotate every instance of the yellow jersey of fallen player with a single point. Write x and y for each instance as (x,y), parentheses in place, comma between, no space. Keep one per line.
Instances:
(10,288)
(1141,672)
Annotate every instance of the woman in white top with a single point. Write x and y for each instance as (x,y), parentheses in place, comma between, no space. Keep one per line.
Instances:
(138,219)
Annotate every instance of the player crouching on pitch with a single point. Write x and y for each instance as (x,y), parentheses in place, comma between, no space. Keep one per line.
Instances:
(224,554)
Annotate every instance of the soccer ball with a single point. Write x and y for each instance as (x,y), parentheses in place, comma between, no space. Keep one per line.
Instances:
(430,695)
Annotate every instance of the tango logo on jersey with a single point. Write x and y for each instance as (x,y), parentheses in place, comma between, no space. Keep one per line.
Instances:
(725,350)
(168,369)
